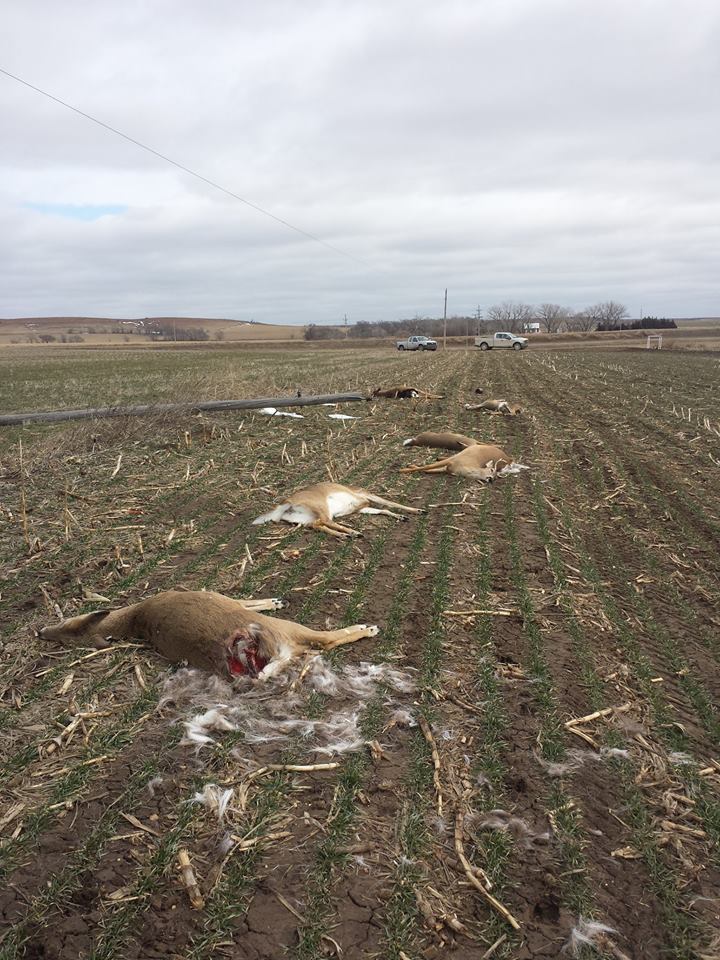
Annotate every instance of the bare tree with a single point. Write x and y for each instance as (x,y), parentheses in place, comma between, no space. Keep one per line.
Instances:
(510,316)
(584,320)
(608,313)
(552,316)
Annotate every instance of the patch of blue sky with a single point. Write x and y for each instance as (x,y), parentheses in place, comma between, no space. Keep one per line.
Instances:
(79,211)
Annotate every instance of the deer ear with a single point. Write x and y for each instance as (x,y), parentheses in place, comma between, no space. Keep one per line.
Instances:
(96,616)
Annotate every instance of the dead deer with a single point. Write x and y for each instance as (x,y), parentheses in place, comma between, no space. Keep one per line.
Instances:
(496,406)
(207,630)
(440,441)
(482,461)
(403,393)
(317,507)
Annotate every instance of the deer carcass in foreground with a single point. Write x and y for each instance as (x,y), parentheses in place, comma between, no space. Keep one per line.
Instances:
(496,406)
(440,441)
(403,393)
(317,507)
(206,629)
(482,461)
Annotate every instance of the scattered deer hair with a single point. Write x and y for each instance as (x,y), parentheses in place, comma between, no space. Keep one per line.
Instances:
(206,630)
(318,506)
(272,714)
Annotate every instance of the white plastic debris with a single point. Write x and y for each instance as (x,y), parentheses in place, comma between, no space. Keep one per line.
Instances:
(274,412)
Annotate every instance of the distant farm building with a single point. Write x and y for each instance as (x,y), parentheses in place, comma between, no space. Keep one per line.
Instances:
(531,328)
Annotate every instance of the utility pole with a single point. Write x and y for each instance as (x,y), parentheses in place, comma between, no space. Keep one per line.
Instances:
(445,322)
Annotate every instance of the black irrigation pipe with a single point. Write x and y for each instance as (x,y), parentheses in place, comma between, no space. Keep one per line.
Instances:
(15,419)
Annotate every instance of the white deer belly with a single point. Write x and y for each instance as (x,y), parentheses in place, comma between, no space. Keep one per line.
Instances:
(297,513)
(341,503)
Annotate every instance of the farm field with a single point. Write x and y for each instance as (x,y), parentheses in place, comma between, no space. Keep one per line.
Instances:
(535,747)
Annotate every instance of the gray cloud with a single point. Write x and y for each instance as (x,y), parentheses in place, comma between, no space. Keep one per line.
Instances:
(534,149)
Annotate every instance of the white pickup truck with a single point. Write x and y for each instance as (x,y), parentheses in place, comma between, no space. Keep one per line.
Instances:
(501,340)
(417,343)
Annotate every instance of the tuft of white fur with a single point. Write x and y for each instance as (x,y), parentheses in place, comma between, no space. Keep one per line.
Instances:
(614,752)
(518,828)
(576,758)
(402,718)
(226,844)
(585,934)
(151,784)
(407,443)
(214,798)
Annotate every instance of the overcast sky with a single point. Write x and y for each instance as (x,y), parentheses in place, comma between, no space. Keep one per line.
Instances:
(506,149)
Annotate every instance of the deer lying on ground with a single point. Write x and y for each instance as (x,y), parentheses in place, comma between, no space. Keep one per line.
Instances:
(403,393)
(440,441)
(496,406)
(206,629)
(482,461)
(317,507)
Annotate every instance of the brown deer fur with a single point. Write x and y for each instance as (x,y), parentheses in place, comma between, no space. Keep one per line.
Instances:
(479,462)
(440,441)
(206,629)
(496,406)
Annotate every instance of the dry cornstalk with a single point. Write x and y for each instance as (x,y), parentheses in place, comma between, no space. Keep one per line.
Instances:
(299,767)
(681,828)
(245,843)
(491,950)
(470,874)
(117,467)
(188,878)
(583,736)
(597,715)
(427,733)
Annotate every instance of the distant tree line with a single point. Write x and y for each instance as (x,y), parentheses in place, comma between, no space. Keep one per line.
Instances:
(647,323)
(509,315)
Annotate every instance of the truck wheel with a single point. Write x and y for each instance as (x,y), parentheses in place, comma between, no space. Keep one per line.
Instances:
(517,346)
(401,347)
(484,346)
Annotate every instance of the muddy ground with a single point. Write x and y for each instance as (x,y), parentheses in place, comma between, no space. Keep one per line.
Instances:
(550,758)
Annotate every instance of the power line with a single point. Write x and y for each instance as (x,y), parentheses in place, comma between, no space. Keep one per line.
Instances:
(180,166)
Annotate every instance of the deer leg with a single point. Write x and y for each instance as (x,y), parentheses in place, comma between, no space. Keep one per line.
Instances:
(438,467)
(328,639)
(391,503)
(386,513)
(343,528)
(324,527)
(267,603)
